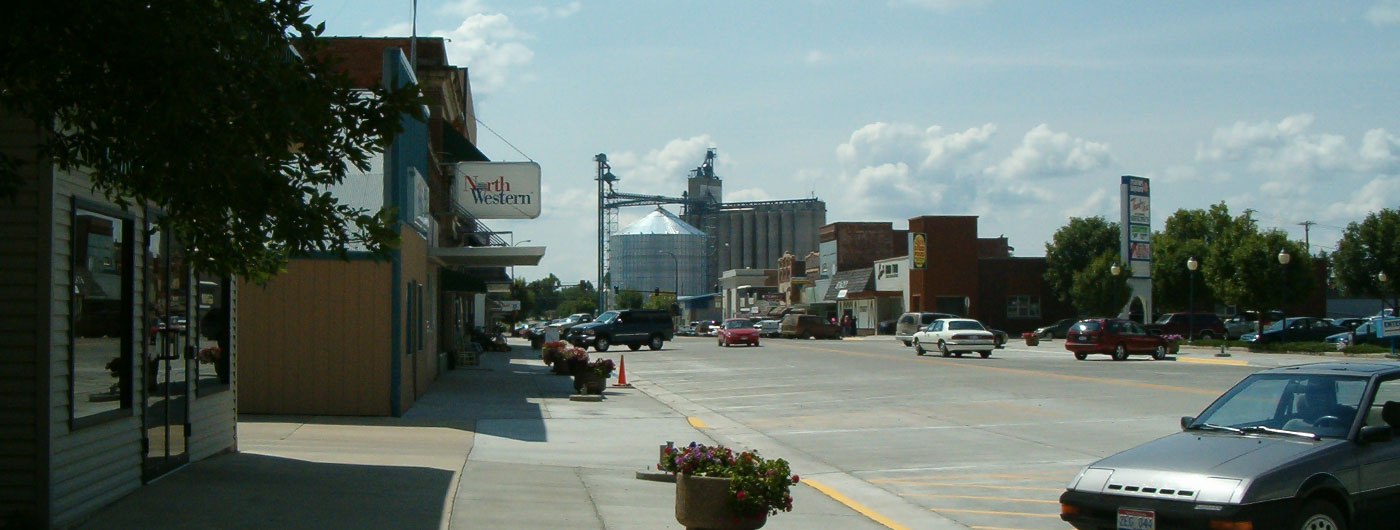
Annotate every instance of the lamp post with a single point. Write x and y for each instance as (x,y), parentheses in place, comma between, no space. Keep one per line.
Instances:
(1115,270)
(1283,259)
(1192,265)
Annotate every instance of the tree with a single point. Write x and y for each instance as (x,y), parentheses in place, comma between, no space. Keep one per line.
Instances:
(1072,249)
(577,299)
(1097,291)
(202,110)
(1367,249)
(1189,233)
(630,299)
(661,301)
(1247,273)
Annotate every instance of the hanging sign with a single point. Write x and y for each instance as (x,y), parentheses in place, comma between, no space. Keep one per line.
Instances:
(498,190)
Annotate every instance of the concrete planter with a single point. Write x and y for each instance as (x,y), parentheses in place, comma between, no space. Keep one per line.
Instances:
(1032,340)
(703,502)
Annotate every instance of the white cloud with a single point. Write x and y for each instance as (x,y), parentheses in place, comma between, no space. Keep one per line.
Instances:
(463,8)
(1384,13)
(1377,194)
(816,57)
(394,30)
(1287,149)
(662,171)
(489,45)
(1046,153)
(949,150)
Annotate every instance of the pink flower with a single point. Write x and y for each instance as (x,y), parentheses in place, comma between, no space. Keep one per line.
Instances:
(740,495)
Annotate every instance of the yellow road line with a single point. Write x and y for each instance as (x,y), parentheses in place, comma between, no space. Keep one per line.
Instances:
(1019,371)
(978,498)
(993,512)
(858,507)
(1202,360)
(983,486)
(695,422)
(1043,476)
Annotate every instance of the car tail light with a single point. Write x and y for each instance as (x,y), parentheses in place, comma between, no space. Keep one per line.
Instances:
(1068,509)
(1231,525)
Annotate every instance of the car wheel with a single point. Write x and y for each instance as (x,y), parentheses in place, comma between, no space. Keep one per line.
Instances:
(918,348)
(656,343)
(957,354)
(755,344)
(1160,353)
(719,342)
(1047,335)
(906,343)
(943,348)
(601,344)
(986,354)
(1079,356)
(1120,353)
(634,347)
(1318,514)
(1205,335)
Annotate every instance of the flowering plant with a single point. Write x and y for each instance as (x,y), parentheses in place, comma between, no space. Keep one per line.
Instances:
(552,351)
(1172,338)
(576,355)
(602,367)
(210,354)
(1028,335)
(757,486)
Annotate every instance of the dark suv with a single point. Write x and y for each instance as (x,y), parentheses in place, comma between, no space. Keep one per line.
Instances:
(633,327)
(1204,325)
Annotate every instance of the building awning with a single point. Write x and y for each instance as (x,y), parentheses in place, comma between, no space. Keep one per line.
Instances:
(459,148)
(488,256)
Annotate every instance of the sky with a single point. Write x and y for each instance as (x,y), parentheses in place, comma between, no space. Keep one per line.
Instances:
(1022,113)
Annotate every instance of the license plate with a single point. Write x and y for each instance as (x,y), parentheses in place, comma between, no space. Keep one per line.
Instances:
(1133,519)
(1083,338)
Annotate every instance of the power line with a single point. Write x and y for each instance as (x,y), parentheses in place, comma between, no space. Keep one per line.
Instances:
(503,139)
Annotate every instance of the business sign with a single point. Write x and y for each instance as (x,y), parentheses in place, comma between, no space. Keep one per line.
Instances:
(420,218)
(498,190)
(1136,239)
(918,250)
(1387,328)
(508,305)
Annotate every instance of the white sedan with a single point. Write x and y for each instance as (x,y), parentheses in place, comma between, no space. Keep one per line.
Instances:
(954,336)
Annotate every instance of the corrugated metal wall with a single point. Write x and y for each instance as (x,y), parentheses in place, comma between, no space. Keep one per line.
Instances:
(638,262)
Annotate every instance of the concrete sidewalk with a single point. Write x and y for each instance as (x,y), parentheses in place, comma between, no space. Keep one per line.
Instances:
(494,446)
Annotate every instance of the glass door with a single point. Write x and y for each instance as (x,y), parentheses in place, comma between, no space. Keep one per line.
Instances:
(168,353)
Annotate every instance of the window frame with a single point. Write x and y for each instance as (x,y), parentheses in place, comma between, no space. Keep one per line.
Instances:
(1023,306)
(127,314)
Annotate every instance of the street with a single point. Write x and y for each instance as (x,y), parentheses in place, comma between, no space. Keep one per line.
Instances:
(988,443)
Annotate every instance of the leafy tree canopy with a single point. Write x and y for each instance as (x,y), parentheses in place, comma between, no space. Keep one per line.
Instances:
(1367,249)
(1191,233)
(1096,291)
(629,299)
(1246,272)
(200,109)
(1073,247)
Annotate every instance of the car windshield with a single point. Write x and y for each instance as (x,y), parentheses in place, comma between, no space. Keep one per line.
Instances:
(732,324)
(607,317)
(964,324)
(1163,319)
(1312,404)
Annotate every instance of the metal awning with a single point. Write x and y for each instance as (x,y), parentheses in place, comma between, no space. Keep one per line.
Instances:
(459,148)
(488,256)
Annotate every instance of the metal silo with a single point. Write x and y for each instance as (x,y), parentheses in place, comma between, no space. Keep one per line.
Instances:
(639,259)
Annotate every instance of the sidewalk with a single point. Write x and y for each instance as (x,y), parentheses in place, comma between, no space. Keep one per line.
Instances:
(494,446)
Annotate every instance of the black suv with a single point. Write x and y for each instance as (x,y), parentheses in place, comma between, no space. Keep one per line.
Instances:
(633,327)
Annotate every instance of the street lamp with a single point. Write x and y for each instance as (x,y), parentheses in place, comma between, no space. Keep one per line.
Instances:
(1115,270)
(1192,265)
(1283,259)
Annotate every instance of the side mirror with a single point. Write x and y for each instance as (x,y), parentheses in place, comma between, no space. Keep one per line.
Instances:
(1186,421)
(1377,433)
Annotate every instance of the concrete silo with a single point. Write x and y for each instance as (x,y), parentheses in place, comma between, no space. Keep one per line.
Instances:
(640,255)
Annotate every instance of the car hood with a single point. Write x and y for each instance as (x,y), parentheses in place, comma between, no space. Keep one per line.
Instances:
(586,325)
(1211,466)
(739,331)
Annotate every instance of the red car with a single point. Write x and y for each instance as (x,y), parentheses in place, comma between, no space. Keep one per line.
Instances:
(738,331)
(1114,337)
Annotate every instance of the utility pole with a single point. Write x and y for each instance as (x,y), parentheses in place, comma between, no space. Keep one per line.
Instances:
(1306,242)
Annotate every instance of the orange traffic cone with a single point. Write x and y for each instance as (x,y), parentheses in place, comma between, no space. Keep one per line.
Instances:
(622,372)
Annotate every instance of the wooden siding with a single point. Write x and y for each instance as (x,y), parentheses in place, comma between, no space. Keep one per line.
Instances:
(23,222)
(419,368)
(316,340)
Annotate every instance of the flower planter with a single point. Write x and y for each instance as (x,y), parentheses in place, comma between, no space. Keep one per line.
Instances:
(703,502)
(561,368)
(1032,340)
(589,382)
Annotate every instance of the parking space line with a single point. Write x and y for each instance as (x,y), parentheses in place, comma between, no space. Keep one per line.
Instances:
(1044,476)
(978,498)
(983,486)
(994,512)
(696,422)
(858,507)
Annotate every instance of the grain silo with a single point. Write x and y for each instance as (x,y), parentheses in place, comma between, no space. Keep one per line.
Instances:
(640,255)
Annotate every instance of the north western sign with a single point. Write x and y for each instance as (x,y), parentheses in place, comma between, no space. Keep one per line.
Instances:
(498,190)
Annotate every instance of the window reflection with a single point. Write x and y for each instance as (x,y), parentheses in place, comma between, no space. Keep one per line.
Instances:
(102,284)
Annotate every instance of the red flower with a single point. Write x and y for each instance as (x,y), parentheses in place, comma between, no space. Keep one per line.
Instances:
(794,479)
(740,495)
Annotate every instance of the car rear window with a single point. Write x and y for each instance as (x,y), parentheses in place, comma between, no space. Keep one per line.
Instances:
(1088,325)
(964,324)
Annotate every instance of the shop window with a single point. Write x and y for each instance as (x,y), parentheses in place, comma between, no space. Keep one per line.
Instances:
(212,300)
(1023,306)
(101,326)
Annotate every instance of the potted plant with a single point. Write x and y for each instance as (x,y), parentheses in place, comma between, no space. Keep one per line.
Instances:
(719,488)
(575,359)
(1031,338)
(593,378)
(551,351)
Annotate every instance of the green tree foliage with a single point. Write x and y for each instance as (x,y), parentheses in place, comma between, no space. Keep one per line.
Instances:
(630,299)
(578,299)
(1367,248)
(1096,291)
(1188,233)
(1245,271)
(1073,248)
(199,108)
(661,301)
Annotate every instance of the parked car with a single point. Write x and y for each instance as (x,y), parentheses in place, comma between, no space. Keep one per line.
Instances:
(633,327)
(1114,337)
(685,331)
(769,327)
(1300,329)
(1205,326)
(1363,334)
(1246,321)
(955,336)
(1000,337)
(1058,330)
(1349,323)
(910,323)
(737,331)
(808,327)
(1297,447)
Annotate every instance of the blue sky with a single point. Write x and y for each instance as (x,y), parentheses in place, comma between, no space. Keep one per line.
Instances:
(1023,113)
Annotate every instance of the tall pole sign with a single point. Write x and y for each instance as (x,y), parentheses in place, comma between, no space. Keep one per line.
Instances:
(1136,240)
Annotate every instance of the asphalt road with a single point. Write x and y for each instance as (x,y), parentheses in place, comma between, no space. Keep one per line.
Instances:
(989,443)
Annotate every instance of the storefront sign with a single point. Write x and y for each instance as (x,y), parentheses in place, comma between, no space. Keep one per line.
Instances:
(918,250)
(498,190)
(1387,328)
(1136,225)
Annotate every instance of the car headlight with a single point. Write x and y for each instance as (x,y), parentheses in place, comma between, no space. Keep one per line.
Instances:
(1218,490)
